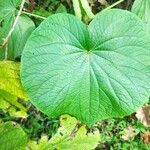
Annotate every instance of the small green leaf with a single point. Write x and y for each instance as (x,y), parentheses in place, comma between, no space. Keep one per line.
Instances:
(8,10)
(61,9)
(91,73)
(11,104)
(142,9)
(8,7)
(22,31)
(12,137)
(41,12)
(68,137)
(41,145)
(10,79)
(11,89)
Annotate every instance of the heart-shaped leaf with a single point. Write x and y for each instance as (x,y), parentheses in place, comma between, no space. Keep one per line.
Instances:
(91,73)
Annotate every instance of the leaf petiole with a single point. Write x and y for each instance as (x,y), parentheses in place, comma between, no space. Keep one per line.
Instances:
(77,9)
(113,5)
(87,8)
(33,15)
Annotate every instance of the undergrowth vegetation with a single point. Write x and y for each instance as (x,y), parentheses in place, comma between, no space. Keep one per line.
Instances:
(74,74)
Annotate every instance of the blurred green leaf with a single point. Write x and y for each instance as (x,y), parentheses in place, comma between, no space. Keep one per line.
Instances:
(9,103)
(8,10)
(12,137)
(18,39)
(10,79)
(22,31)
(61,9)
(142,9)
(68,137)
(42,12)
(11,89)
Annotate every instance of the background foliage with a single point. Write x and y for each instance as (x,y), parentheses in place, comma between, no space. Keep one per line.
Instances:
(22,126)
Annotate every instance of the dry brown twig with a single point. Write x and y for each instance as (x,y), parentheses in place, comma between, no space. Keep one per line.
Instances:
(129,133)
(5,40)
(103,2)
(146,137)
(143,115)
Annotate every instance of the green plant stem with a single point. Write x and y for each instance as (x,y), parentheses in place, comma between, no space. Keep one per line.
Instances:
(87,8)
(77,9)
(113,5)
(6,51)
(33,15)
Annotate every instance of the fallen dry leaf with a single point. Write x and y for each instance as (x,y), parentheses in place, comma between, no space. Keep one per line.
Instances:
(146,137)
(129,133)
(143,115)
(103,2)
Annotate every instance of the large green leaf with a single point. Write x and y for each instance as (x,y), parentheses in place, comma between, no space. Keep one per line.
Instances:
(68,137)
(91,73)
(142,9)
(12,137)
